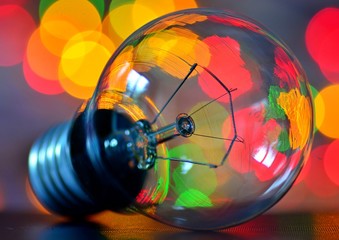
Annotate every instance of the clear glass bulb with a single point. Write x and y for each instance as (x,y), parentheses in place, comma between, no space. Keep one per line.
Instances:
(202,119)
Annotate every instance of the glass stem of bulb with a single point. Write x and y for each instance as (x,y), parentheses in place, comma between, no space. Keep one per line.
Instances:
(145,140)
(165,133)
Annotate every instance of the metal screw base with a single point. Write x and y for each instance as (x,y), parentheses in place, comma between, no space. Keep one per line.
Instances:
(52,176)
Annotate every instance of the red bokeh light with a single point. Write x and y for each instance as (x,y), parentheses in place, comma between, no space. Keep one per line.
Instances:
(285,69)
(331,162)
(317,180)
(225,63)
(328,55)
(40,84)
(16,26)
(304,172)
(258,153)
(322,37)
(16,2)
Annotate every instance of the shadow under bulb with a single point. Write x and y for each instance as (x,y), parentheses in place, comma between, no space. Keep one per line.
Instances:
(201,119)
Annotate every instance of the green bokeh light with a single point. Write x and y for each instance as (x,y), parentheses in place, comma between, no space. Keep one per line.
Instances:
(118,3)
(188,176)
(98,4)
(274,110)
(314,93)
(284,142)
(193,198)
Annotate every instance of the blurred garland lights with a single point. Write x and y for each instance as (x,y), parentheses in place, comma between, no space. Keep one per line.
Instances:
(57,55)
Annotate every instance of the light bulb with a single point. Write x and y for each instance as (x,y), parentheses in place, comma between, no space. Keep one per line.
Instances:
(202,119)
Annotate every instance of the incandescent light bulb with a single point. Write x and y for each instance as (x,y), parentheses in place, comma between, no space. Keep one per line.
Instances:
(201,119)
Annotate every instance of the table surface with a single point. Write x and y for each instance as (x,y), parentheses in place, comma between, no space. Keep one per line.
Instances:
(113,226)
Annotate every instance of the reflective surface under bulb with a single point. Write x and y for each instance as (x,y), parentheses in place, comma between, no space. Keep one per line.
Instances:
(202,119)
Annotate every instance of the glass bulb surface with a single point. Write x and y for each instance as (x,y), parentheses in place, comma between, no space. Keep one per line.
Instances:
(202,119)
(247,98)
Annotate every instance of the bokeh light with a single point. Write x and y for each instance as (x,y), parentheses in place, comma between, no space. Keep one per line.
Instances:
(294,102)
(267,161)
(38,83)
(14,2)
(78,72)
(143,14)
(327,111)
(317,180)
(179,4)
(16,26)
(185,174)
(331,162)
(139,12)
(217,113)
(321,24)
(179,43)
(45,4)
(322,37)
(231,74)
(315,93)
(109,31)
(61,22)
(37,54)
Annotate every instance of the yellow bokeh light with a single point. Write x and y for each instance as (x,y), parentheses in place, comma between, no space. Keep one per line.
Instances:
(327,111)
(94,36)
(140,6)
(82,62)
(203,113)
(73,89)
(298,110)
(165,7)
(120,20)
(55,34)
(127,18)
(143,13)
(319,110)
(108,30)
(166,49)
(64,19)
